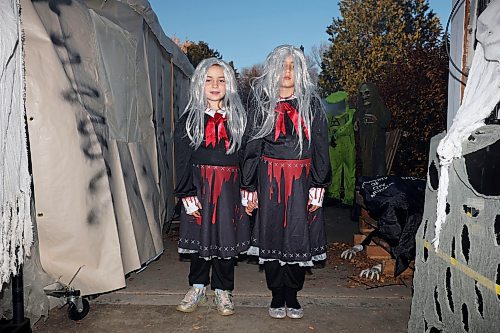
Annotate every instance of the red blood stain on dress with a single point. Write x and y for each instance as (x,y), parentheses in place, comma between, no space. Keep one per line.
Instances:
(291,170)
(216,176)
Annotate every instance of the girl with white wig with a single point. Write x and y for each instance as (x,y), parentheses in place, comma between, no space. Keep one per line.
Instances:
(214,228)
(285,170)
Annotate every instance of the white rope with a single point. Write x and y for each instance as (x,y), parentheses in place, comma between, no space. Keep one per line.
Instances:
(16,232)
(481,95)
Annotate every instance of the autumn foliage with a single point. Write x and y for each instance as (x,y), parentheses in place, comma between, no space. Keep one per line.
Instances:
(398,45)
(415,90)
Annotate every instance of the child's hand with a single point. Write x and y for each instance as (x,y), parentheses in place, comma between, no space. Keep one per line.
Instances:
(250,201)
(315,201)
(248,211)
(252,205)
(312,208)
(197,212)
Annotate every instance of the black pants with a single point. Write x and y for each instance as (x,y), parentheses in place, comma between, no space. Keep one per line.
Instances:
(284,282)
(222,272)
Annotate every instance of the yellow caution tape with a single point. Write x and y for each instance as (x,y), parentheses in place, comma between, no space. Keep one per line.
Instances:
(464,269)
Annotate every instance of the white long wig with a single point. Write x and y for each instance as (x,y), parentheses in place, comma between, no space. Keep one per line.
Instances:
(198,103)
(266,89)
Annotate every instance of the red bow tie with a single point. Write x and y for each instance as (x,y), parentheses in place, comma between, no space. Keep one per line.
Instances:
(216,121)
(293,114)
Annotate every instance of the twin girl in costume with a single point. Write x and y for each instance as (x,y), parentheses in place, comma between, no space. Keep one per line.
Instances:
(214,227)
(277,153)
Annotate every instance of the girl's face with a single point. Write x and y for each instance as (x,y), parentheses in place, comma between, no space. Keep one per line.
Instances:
(288,79)
(215,87)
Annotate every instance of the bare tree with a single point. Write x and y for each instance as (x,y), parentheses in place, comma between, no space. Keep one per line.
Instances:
(317,53)
(245,80)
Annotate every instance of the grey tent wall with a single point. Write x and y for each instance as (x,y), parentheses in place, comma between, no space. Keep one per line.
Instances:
(105,86)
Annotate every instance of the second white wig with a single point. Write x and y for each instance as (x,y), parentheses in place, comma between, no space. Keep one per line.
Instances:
(266,89)
(198,103)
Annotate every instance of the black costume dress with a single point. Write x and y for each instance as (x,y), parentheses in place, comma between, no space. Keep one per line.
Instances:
(273,166)
(223,231)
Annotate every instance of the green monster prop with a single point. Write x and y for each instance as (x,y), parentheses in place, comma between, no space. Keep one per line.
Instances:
(342,146)
(372,121)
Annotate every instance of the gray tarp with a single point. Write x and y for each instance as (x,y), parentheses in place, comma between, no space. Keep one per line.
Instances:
(104,85)
(456,288)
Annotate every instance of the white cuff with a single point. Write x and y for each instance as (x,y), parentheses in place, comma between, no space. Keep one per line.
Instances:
(247,196)
(316,195)
(190,204)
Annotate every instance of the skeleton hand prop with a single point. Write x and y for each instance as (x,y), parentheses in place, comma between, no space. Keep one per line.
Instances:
(350,253)
(372,273)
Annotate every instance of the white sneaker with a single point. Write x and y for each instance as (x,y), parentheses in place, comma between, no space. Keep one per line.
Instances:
(224,301)
(193,298)
(277,313)
(295,313)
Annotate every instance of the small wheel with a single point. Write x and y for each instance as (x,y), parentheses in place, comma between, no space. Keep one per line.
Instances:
(73,312)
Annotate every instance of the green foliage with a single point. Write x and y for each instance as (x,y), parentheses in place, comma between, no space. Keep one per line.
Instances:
(371,34)
(236,74)
(196,52)
(327,81)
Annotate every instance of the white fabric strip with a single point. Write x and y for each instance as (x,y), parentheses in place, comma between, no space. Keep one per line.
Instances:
(247,196)
(254,251)
(309,263)
(212,113)
(316,195)
(188,251)
(282,99)
(191,204)
(481,95)
(16,234)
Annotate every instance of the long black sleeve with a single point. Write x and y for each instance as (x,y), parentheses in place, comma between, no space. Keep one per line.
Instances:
(184,186)
(321,170)
(249,157)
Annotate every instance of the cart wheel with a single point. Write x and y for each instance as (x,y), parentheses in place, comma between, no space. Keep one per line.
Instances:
(73,312)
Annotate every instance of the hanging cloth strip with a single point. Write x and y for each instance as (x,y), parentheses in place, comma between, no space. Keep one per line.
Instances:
(16,234)
(481,95)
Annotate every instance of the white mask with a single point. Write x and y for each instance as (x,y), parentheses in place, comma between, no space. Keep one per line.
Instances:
(488,31)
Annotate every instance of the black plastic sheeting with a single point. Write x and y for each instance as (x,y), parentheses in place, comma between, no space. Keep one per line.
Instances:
(397,203)
(483,167)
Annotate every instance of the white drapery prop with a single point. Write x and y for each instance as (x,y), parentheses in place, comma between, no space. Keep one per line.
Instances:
(16,234)
(481,95)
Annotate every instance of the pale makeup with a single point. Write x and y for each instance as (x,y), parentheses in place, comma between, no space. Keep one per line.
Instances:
(215,87)
(287,87)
